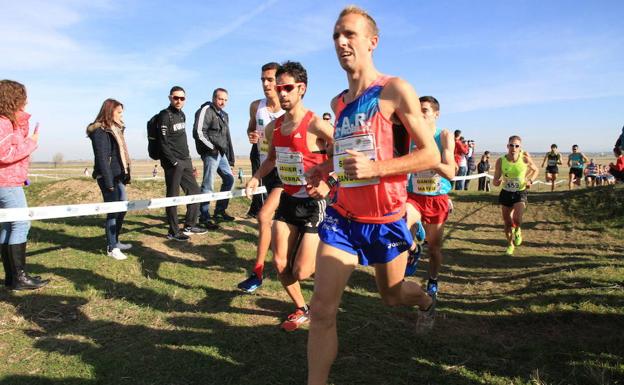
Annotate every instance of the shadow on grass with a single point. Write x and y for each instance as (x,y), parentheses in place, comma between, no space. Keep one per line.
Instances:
(194,344)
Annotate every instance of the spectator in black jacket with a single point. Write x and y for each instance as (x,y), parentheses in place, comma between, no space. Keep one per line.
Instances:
(484,166)
(111,168)
(213,142)
(176,162)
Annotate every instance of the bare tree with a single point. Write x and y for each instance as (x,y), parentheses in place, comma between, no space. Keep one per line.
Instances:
(57,159)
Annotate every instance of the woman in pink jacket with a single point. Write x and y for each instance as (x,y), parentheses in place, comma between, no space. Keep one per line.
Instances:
(16,145)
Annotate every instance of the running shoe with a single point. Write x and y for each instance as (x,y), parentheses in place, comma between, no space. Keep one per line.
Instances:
(296,319)
(420,232)
(517,236)
(180,237)
(432,287)
(426,318)
(510,249)
(250,284)
(193,230)
(116,254)
(413,256)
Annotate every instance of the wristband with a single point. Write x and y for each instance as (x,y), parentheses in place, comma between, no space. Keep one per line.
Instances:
(331,181)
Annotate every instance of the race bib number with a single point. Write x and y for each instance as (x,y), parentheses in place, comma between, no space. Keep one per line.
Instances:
(512,184)
(552,162)
(426,182)
(575,164)
(361,143)
(290,167)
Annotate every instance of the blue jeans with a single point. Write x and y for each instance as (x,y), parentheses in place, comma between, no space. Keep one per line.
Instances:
(114,221)
(13,233)
(215,164)
(459,184)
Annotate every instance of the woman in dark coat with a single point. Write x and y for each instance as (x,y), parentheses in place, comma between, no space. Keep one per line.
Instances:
(111,169)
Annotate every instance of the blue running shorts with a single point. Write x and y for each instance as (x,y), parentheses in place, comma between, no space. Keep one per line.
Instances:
(372,243)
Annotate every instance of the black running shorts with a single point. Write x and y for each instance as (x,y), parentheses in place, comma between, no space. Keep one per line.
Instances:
(552,170)
(509,198)
(304,213)
(272,180)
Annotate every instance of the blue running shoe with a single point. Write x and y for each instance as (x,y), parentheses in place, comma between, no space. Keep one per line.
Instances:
(413,256)
(432,287)
(250,284)
(420,232)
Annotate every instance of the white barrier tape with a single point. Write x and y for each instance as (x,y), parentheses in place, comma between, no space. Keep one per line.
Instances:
(48,212)
(73,176)
(548,183)
(474,176)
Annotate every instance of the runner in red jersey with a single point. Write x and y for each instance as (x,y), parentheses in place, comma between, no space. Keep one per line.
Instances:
(366,224)
(298,142)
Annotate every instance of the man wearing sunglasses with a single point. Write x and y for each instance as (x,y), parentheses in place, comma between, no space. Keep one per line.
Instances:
(176,162)
(516,172)
(298,141)
(366,224)
(261,113)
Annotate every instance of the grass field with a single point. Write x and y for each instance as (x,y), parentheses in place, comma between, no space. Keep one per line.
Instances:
(170,314)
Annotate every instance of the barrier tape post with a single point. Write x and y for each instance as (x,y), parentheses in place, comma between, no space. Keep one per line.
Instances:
(77,210)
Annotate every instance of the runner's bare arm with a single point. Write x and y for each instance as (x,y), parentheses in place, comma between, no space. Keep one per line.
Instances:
(266,166)
(398,99)
(251,127)
(498,172)
(318,172)
(533,169)
(569,161)
(544,161)
(446,168)
(324,131)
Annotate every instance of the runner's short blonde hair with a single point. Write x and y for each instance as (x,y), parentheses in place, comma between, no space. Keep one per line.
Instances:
(354,9)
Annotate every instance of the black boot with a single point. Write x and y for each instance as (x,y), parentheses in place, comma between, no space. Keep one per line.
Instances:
(21,280)
(8,272)
(22,255)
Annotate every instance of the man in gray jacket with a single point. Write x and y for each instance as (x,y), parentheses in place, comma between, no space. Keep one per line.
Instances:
(214,144)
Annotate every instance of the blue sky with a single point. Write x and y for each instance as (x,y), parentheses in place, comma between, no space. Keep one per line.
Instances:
(550,71)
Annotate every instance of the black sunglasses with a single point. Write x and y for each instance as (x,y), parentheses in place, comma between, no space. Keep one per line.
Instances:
(182,98)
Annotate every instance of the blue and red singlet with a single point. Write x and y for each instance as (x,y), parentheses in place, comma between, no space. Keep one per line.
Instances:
(360,126)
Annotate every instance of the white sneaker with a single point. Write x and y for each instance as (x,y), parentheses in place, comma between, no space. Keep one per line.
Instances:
(117,254)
